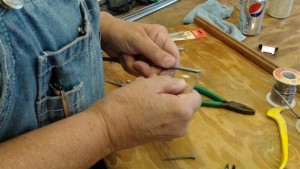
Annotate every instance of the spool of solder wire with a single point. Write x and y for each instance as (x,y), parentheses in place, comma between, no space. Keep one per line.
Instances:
(287,80)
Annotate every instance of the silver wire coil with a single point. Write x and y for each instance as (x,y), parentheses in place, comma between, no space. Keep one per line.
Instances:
(281,90)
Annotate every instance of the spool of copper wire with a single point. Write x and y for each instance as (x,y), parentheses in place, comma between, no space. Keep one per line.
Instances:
(287,80)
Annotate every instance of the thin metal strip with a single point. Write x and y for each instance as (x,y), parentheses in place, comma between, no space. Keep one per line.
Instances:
(147,10)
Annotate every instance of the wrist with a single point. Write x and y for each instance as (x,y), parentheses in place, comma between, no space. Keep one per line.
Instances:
(119,130)
(97,111)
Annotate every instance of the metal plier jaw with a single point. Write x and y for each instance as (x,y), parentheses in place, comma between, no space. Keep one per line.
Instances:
(219,102)
(227,166)
(238,107)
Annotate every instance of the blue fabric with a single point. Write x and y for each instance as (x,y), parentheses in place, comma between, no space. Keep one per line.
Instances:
(214,12)
(35,39)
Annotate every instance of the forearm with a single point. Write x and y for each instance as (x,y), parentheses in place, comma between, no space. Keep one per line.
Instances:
(75,142)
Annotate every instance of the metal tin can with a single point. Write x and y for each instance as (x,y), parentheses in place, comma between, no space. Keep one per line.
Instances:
(251,16)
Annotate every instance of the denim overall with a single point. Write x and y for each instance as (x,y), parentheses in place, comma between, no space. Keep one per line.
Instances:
(43,35)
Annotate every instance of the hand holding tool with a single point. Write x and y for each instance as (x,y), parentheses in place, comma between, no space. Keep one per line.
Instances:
(220,102)
(117,60)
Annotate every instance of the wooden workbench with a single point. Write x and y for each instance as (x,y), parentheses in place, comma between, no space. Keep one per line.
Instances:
(282,33)
(218,136)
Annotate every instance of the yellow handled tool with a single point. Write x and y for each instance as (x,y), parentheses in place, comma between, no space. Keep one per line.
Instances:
(274,113)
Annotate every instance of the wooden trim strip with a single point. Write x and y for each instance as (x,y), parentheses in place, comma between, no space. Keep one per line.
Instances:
(249,54)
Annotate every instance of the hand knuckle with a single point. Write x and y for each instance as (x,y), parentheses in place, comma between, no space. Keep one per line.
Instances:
(184,113)
(182,132)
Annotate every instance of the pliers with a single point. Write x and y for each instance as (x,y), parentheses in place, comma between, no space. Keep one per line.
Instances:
(227,166)
(220,102)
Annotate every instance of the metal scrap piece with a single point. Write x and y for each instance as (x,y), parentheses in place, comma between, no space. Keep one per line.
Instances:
(268,49)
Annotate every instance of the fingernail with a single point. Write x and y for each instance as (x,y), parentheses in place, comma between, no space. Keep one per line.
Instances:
(168,61)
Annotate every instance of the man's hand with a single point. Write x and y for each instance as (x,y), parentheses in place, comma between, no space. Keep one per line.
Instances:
(139,46)
(149,109)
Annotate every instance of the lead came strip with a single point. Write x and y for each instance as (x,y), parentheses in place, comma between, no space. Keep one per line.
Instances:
(147,10)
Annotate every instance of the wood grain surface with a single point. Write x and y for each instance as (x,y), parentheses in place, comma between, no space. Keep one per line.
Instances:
(217,136)
(282,33)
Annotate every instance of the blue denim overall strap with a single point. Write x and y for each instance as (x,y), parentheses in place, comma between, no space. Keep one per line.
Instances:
(35,39)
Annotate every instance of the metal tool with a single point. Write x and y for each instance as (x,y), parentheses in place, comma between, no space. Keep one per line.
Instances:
(268,49)
(188,156)
(274,113)
(117,82)
(147,10)
(117,60)
(227,166)
(57,87)
(220,102)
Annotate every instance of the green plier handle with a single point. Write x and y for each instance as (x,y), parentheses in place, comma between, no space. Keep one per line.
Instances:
(210,103)
(220,102)
(217,100)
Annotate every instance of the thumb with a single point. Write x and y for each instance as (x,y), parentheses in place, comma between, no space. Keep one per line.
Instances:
(156,54)
(169,85)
